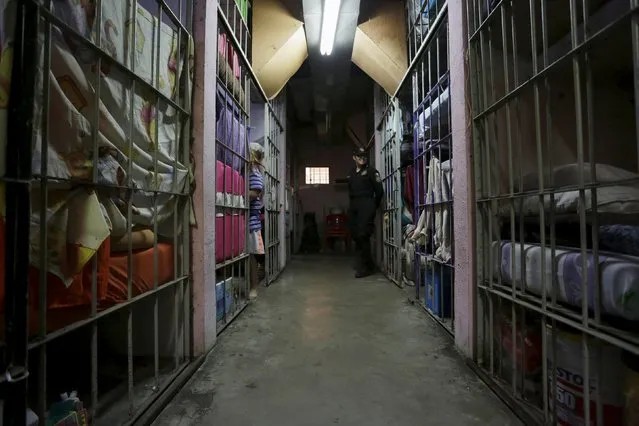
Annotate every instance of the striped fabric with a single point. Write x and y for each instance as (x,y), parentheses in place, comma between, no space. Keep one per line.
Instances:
(256,183)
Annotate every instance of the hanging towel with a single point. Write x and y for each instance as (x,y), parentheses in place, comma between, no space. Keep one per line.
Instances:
(436,215)
(409,187)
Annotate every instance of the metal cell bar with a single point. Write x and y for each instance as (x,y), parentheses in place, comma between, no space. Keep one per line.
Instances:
(432,139)
(103,55)
(395,165)
(236,269)
(36,343)
(576,67)
(95,127)
(44,201)
(177,302)
(561,316)
(558,190)
(155,187)
(488,20)
(175,19)
(186,243)
(634,25)
(78,182)
(575,50)
(133,14)
(544,321)
(418,54)
(243,58)
(93,319)
(267,223)
(390,135)
(590,123)
(271,208)
(18,202)
(554,318)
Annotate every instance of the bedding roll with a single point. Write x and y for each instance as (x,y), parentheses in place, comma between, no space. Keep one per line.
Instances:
(534,262)
(619,278)
(140,240)
(503,263)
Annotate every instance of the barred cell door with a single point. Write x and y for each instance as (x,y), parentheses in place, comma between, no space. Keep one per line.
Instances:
(273,195)
(390,135)
(289,204)
(96,196)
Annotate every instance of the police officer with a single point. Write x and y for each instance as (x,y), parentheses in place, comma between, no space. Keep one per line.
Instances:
(366,193)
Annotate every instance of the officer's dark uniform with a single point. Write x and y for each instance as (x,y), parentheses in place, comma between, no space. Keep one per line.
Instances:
(366,193)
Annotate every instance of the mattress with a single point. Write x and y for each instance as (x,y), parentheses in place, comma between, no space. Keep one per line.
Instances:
(230,186)
(142,274)
(616,203)
(231,131)
(433,115)
(149,152)
(620,238)
(230,236)
(618,275)
(65,303)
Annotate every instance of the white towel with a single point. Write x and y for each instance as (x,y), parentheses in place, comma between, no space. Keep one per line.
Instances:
(439,193)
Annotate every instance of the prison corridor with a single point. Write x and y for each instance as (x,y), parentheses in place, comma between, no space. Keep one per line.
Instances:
(319,347)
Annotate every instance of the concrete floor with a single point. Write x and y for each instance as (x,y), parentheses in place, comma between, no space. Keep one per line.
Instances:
(321,348)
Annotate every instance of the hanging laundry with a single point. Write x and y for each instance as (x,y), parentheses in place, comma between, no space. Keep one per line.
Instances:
(408,192)
(410,188)
(435,217)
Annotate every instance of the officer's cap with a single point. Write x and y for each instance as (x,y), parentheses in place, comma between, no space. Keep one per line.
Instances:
(360,152)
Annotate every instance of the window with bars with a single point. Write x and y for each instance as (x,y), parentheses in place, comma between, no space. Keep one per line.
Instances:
(318,176)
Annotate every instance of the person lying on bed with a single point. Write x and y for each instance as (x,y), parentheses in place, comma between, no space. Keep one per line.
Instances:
(256,190)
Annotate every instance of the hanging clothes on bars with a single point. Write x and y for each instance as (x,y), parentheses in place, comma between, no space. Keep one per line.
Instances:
(414,174)
(436,216)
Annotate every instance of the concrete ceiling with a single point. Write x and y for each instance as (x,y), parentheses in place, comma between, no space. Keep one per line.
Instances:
(286,37)
(357,96)
(330,75)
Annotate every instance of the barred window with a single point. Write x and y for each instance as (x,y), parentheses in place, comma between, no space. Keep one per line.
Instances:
(317,176)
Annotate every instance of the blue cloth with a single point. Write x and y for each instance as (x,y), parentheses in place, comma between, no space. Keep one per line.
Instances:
(620,238)
(256,183)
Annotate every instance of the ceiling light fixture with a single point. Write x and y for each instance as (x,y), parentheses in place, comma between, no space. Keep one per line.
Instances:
(329,25)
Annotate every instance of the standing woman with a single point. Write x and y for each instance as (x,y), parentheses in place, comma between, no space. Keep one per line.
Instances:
(256,192)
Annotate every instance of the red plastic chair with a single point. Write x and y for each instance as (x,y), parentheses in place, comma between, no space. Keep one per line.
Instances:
(337,228)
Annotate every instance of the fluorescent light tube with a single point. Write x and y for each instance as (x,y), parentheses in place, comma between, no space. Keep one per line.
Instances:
(329,25)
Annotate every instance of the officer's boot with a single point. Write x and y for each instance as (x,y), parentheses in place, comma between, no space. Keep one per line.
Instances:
(363,256)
